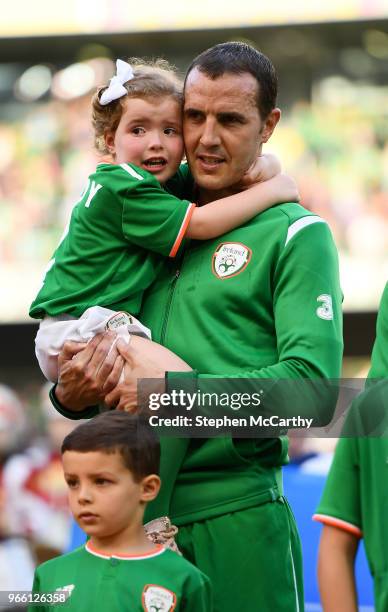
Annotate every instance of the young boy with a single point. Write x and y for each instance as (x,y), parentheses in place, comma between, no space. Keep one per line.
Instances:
(111,466)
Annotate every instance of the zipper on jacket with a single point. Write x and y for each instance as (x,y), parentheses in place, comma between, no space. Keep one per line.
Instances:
(168,305)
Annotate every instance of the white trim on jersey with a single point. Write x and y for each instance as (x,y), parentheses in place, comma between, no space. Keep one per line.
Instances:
(300,224)
(131,171)
(158,550)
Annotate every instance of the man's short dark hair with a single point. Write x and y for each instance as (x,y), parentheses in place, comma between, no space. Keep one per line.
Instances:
(237,58)
(114,431)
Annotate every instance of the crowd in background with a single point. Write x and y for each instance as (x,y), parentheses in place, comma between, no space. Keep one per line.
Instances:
(335,147)
(34,516)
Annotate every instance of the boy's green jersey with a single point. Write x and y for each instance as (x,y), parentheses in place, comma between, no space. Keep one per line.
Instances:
(110,252)
(160,581)
(262,302)
(355,497)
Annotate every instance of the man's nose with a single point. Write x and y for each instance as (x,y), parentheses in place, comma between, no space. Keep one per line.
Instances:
(210,136)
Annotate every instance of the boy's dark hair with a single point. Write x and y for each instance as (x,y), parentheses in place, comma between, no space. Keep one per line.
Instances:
(237,58)
(114,431)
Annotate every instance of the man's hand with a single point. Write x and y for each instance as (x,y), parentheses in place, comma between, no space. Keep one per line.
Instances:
(137,366)
(88,372)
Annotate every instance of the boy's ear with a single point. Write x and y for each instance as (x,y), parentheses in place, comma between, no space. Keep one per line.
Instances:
(150,488)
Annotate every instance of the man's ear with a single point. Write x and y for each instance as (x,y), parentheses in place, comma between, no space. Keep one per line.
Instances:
(109,139)
(270,124)
(150,488)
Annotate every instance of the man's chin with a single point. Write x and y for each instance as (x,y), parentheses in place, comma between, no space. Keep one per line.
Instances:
(211,182)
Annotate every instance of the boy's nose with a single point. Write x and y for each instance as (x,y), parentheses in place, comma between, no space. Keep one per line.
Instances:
(84,495)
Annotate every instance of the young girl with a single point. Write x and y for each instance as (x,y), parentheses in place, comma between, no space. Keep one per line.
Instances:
(126,219)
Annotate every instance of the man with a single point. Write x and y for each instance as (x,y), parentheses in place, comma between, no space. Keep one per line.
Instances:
(355,500)
(263,302)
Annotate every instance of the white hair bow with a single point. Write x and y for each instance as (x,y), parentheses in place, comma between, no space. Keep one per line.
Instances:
(116,87)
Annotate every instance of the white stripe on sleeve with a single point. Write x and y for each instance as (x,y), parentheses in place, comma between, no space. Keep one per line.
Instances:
(131,171)
(300,224)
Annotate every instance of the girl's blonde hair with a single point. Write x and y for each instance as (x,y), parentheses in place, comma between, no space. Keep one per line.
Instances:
(156,78)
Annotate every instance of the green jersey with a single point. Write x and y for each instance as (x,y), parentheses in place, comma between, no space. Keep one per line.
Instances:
(379,365)
(111,250)
(262,302)
(158,581)
(355,497)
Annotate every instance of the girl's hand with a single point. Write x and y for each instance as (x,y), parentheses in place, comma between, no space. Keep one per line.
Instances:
(264,167)
(283,188)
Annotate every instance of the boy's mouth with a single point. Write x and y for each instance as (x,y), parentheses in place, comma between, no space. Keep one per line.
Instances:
(87,516)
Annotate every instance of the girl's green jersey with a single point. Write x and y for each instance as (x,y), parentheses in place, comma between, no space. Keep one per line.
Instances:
(111,250)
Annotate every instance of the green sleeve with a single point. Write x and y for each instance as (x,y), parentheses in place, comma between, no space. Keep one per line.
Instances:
(308,323)
(154,219)
(379,366)
(341,496)
(308,320)
(199,596)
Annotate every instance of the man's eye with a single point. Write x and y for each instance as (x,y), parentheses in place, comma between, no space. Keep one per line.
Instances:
(231,120)
(193,115)
(138,131)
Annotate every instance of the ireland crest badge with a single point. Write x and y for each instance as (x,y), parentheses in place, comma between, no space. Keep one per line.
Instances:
(230,259)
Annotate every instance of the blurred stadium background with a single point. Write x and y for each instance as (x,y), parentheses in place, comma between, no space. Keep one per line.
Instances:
(332,62)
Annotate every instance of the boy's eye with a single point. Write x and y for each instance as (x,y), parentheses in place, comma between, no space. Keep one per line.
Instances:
(138,131)
(71,483)
(102,481)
